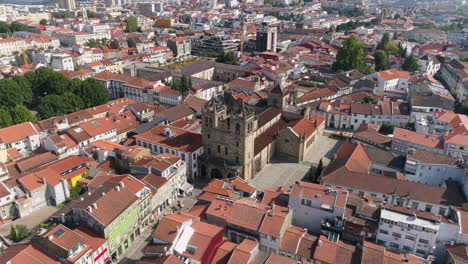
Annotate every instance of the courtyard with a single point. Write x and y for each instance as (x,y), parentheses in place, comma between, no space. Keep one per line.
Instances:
(284,173)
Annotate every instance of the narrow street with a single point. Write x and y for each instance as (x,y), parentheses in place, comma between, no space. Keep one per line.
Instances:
(133,253)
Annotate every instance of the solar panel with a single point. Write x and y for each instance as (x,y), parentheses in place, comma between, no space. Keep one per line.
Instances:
(59,232)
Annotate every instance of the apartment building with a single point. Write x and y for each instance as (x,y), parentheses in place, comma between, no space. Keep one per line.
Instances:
(176,141)
(180,46)
(312,203)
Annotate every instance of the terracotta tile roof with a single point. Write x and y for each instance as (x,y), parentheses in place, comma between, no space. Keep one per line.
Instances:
(202,238)
(350,156)
(113,204)
(97,126)
(170,259)
(393,74)
(128,80)
(428,157)
(307,126)
(182,140)
(17,132)
(36,161)
(265,138)
(297,241)
(428,140)
(243,252)
(321,193)
(195,102)
(279,196)
(167,229)
(332,252)
(176,113)
(267,115)
(33,255)
(223,253)
(373,253)
(246,216)
(64,237)
(459,253)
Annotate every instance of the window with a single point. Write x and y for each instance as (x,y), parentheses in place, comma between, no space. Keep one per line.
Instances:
(442,211)
(415,205)
(208,135)
(409,237)
(219,149)
(383,231)
(226,151)
(424,241)
(237,143)
(394,245)
(396,235)
(407,249)
(237,129)
(421,252)
(428,208)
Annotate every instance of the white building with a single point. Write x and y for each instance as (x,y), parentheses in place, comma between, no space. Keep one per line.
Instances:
(429,65)
(405,230)
(432,168)
(24,137)
(312,203)
(391,79)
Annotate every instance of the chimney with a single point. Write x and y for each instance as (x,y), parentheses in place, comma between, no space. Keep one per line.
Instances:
(117,188)
(320,242)
(62,218)
(103,193)
(90,209)
(51,237)
(81,199)
(95,205)
(44,180)
(122,185)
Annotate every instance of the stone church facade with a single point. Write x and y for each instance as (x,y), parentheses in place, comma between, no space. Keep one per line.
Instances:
(240,139)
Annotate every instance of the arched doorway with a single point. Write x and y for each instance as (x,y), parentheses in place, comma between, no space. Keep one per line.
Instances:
(216,174)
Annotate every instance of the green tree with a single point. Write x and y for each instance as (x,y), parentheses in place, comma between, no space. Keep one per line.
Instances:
(387,45)
(386,129)
(92,43)
(21,114)
(43,22)
(410,64)
(227,58)
(55,105)
(21,232)
(319,170)
(10,93)
(91,14)
(4,28)
(132,24)
(17,26)
(92,93)
(25,88)
(5,118)
(351,57)
(13,236)
(369,100)
(307,84)
(381,60)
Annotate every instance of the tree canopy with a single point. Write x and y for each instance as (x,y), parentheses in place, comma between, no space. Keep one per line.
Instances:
(381,60)
(47,92)
(410,64)
(44,22)
(132,24)
(352,57)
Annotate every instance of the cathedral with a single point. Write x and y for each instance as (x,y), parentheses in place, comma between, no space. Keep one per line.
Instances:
(240,139)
